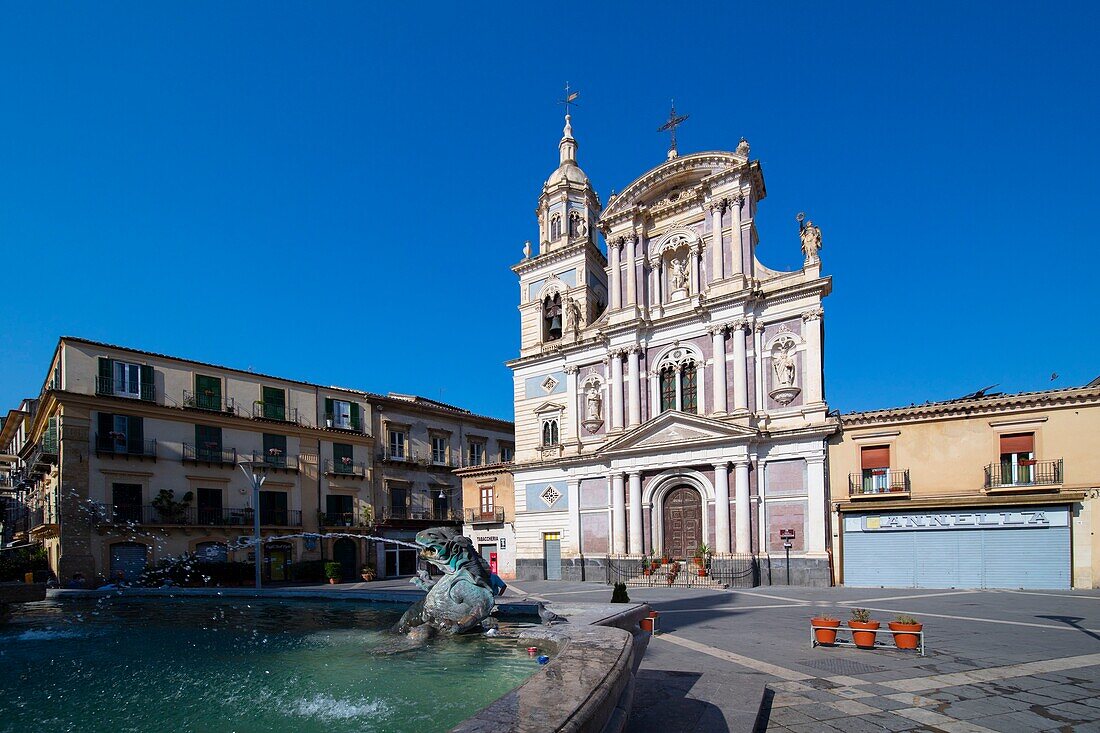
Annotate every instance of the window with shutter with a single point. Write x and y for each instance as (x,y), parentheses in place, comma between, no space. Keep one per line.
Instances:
(105,382)
(875,465)
(274,403)
(208,392)
(355,416)
(343,458)
(275,450)
(1017,458)
(208,443)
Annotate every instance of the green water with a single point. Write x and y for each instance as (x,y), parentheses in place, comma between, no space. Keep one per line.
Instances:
(120,664)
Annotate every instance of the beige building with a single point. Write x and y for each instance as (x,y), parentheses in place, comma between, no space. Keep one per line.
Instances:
(986,491)
(132,458)
(488,494)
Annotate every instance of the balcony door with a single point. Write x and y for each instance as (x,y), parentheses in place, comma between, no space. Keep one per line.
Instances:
(127,502)
(273,508)
(274,400)
(210,506)
(399,502)
(339,510)
(208,392)
(1018,458)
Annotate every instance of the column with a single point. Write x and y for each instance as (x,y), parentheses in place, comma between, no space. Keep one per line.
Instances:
(812,359)
(644,295)
(758,344)
(618,515)
(631,270)
(718,350)
(633,386)
(658,287)
(741,498)
(716,260)
(740,369)
(574,413)
(696,283)
(815,504)
(722,508)
(614,276)
(571,543)
(735,236)
(616,389)
(636,536)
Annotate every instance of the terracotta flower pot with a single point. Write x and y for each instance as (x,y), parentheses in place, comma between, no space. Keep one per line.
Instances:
(905,640)
(863,633)
(825,636)
(646,624)
(702,573)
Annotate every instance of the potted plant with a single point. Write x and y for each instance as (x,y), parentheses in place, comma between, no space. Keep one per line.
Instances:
(863,628)
(673,571)
(905,628)
(333,572)
(328,422)
(826,637)
(366,573)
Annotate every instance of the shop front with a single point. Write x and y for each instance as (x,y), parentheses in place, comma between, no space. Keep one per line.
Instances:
(973,547)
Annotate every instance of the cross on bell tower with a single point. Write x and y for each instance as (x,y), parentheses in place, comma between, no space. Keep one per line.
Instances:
(673,122)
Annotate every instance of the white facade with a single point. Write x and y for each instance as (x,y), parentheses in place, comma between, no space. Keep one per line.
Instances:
(669,393)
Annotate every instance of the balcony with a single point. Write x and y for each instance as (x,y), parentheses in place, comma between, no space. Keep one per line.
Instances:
(882,483)
(274,411)
(478,516)
(1025,474)
(277,462)
(345,467)
(135,515)
(210,453)
(208,402)
(113,387)
(354,518)
(412,514)
(334,422)
(402,456)
(44,453)
(117,444)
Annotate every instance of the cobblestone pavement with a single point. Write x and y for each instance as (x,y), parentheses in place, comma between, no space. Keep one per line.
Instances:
(996,661)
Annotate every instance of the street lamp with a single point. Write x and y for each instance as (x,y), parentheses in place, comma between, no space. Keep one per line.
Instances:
(256,474)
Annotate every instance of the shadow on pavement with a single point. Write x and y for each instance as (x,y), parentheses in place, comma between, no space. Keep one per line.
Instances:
(661,703)
(1074,622)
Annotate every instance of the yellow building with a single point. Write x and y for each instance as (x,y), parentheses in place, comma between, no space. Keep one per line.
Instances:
(489,496)
(986,491)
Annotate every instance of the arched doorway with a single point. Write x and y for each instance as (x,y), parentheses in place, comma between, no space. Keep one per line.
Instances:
(343,552)
(682,526)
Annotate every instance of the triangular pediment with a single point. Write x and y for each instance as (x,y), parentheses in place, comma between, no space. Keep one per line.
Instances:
(677,429)
(549,407)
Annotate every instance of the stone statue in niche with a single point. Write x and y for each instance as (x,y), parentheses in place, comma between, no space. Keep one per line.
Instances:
(593,404)
(574,316)
(811,242)
(785,370)
(679,273)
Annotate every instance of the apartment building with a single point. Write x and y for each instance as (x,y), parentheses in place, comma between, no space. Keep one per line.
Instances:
(489,498)
(133,457)
(985,491)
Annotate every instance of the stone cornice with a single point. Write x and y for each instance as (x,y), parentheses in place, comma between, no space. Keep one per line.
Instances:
(584,246)
(963,408)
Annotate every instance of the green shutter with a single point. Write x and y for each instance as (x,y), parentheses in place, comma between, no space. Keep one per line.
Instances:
(106,426)
(105,383)
(213,385)
(148,391)
(330,409)
(340,451)
(135,438)
(354,415)
(274,400)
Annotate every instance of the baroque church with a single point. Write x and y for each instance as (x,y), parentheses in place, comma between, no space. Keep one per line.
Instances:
(668,394)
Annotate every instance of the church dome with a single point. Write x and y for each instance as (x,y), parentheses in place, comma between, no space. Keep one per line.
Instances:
(567,172)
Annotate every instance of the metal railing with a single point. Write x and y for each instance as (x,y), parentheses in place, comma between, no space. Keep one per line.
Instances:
(278,461)
(147,514)
(120,388)
(344,467)
(480,516)
(113,445)
(879,481)
(429,514)
(355,518)
(37,517)
(209,454)
(351,427)
(209,401)
(389,455)
(1024,473)
(274,411)
(729,571)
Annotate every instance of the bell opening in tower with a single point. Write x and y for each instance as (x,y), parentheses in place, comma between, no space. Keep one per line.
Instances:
(551,317)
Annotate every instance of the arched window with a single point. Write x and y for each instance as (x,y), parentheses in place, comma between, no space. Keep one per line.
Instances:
(550,431)
(688,391)
(555,226)
(551,317)
(668,388)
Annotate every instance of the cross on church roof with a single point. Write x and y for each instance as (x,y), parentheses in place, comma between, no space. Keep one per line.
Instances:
(674,121)
(570,98)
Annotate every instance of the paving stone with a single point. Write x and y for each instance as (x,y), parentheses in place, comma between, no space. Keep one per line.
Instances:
(884,703)
(823,711)
(1065,693)
(968,709)
(781,701)
(1074,710)
(891,722)
(1033,698)
(816,727)
(787,716)
(914,701)
(1023,721)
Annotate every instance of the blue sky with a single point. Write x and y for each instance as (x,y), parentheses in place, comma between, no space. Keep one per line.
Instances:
(335,192)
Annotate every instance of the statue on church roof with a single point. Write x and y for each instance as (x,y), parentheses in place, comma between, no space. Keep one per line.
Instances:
(811,242)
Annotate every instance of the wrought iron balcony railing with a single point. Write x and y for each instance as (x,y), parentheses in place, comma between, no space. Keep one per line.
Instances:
(277,461)
(480,516)
(274,411)
(344,467)
(879,481)
(433,514)
(355,518)
(395,455)
(116,445)
(121,388)
(1024,473)
(210,454)
(333,421)
(209,401)
(147,514)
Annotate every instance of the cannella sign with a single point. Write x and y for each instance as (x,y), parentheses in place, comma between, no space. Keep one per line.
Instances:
(1036,518)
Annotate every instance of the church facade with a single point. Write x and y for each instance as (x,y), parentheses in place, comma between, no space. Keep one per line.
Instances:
(669,393)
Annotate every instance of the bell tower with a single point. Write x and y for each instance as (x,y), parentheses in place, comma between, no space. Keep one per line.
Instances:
(563,289)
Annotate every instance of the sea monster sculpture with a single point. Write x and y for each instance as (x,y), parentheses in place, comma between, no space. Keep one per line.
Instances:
(459,601)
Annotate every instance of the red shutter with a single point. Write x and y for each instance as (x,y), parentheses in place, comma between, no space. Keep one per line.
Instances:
(876,456)
(1018,443)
